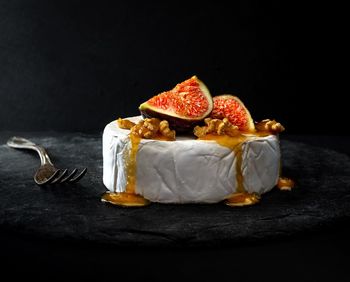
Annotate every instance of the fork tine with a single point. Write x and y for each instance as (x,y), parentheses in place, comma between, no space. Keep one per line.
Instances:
(79,176)
(70,176)
(47,181)
(64,172)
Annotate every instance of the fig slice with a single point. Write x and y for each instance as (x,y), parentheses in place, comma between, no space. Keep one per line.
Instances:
(231,107)
(186,105)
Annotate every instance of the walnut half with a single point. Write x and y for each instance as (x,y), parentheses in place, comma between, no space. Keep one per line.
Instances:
(216,126)
(271,126)
(146,128)
(165,130)
(149,128)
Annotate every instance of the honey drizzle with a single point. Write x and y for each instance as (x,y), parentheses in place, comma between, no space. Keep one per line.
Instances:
(131,164)
(241,197)
(285,184)
(129,198)
(239,174)
(235,144)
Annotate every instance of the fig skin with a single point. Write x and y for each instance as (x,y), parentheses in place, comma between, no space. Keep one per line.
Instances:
(179,124)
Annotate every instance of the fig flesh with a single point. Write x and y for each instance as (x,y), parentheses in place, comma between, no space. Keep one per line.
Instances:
(231,107)
(185,106)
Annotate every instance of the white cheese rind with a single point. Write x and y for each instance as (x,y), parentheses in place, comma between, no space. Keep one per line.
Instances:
(189,170)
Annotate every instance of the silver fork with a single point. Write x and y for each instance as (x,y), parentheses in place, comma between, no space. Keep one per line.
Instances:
(47,173)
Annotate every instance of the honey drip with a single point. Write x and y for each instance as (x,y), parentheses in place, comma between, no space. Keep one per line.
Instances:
(239,175)
(131,165)
(129,198)
(241,197)
(285,184)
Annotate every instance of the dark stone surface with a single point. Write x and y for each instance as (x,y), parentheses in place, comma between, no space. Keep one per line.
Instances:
(75,212)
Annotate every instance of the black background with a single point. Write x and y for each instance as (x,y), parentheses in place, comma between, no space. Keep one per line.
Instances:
(77,65)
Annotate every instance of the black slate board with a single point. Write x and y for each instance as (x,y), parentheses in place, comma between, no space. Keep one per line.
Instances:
(75,211)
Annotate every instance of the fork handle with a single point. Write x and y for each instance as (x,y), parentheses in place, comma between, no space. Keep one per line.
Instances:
(22,143)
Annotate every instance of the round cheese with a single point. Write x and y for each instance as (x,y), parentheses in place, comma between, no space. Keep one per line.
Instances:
(189,170)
